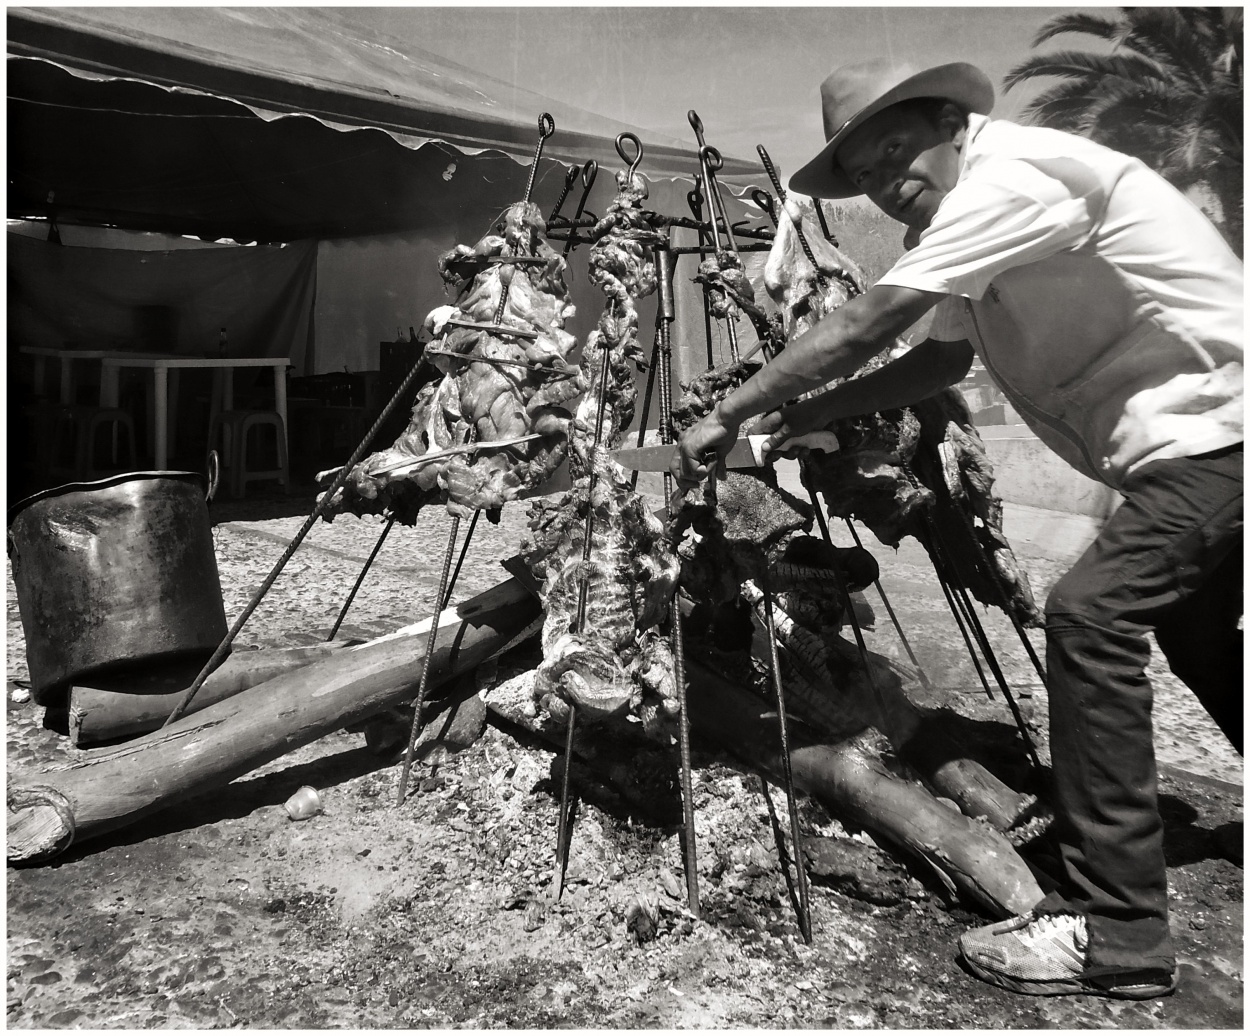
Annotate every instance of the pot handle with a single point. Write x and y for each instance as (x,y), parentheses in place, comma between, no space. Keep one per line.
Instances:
(214,475)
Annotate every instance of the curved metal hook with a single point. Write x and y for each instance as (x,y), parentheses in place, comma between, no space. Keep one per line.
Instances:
(589,171)
(696,124)
(621,138)
(712,157)
(546,125)
(765,201)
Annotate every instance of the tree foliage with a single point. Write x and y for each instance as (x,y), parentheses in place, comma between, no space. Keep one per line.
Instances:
(1169,92)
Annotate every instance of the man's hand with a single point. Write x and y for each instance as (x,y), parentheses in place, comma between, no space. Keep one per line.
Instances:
(701,448)
(791,422)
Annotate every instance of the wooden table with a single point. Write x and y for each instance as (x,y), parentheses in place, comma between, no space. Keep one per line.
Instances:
(160,366)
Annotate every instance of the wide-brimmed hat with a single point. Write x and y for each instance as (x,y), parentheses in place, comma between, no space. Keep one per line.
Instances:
(854,93)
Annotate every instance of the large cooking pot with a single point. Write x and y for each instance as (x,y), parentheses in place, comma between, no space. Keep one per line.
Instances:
(114,572)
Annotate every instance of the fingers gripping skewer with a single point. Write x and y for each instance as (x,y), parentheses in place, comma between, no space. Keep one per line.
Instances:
(668,313)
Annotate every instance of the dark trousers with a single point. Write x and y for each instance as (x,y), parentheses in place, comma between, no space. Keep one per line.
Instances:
(1169,561)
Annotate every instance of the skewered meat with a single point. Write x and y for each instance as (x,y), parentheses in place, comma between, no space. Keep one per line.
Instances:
(618,661)
(502,383)
(919,470)
(729,292)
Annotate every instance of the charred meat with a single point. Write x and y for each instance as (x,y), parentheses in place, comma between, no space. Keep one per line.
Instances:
(617,662)
(494,427)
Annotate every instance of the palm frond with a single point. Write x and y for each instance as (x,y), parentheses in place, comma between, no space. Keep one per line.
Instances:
(1090,24)
(1178,39)
(1083,64)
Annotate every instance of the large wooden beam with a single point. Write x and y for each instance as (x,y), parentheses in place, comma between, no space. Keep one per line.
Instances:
(49,811)
(121,705)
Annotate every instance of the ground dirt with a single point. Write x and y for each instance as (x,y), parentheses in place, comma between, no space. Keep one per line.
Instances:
(222,912)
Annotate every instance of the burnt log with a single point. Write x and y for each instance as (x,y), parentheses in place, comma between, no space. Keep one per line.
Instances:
(51,810)
(849,778)
(125,704)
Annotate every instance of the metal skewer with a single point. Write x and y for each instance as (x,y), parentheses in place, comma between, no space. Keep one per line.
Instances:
(360,578)
(589,171)
(695,200)
(563,834)
(668,312)
(796,836)
(570,176)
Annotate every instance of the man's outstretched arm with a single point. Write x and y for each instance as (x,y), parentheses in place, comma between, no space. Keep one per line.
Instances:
(918,374)
(836,347)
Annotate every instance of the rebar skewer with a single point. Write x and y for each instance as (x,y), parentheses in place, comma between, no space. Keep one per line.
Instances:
(986,649)
(898,627)
(419,705)
(668,312)
(570,176)
(589,172)
(361,578)
(583,591)
(318,510)
(796,836)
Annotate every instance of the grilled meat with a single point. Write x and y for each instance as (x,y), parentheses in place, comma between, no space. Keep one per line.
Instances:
(501,383)
(617,661)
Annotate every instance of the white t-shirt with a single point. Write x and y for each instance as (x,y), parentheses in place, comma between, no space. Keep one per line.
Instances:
(1105,305)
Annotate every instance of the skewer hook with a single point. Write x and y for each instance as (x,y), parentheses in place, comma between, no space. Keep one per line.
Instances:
(621,140)
(589,172)
(546,127)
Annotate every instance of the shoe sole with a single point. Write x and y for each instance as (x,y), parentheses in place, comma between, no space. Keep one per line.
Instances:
(1068,987)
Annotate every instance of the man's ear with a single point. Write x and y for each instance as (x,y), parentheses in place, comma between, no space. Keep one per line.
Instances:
(952,120)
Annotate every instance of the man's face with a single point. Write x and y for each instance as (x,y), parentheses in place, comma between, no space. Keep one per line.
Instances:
(903,163)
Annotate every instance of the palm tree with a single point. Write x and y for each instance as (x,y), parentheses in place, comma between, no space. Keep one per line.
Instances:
(1169,92)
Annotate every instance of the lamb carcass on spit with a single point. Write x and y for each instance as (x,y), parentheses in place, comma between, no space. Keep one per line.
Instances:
(891,468)
(619,662)
(494,427)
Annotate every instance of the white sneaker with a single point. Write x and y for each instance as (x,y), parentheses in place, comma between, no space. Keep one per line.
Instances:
(1045,955)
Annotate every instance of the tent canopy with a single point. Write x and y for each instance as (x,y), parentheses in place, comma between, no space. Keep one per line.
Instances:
(274,125)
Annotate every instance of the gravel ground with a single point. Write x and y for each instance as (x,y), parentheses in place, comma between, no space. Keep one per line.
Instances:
(224,913)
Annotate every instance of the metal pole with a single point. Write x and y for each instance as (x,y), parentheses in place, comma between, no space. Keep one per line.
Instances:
(360,579)
(668,311)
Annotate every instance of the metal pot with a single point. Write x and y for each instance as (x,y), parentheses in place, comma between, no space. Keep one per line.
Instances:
(114,572)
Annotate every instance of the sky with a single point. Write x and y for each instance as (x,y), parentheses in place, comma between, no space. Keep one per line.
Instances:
(752,73)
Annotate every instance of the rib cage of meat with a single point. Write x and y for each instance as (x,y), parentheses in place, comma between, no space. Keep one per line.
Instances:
(477,401)
(893,468)
(619,662)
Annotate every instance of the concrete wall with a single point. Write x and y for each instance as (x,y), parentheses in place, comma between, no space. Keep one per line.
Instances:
(1027,472)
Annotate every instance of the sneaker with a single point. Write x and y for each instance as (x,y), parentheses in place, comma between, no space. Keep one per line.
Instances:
(1045,955)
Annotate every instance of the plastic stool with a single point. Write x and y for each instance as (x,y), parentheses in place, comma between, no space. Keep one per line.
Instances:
(234,426)
(84,424)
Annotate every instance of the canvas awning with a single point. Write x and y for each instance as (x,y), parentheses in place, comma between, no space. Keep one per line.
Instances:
(261,124)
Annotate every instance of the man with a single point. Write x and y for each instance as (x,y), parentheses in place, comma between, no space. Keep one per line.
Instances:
(1109,311)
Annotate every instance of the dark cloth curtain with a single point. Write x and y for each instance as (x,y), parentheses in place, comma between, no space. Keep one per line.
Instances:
(164,301)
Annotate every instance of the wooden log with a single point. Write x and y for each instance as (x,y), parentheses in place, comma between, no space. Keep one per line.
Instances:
(120,705)
(49,811)
(968,855)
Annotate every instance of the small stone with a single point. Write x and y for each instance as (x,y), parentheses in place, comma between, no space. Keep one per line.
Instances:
(47,978)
